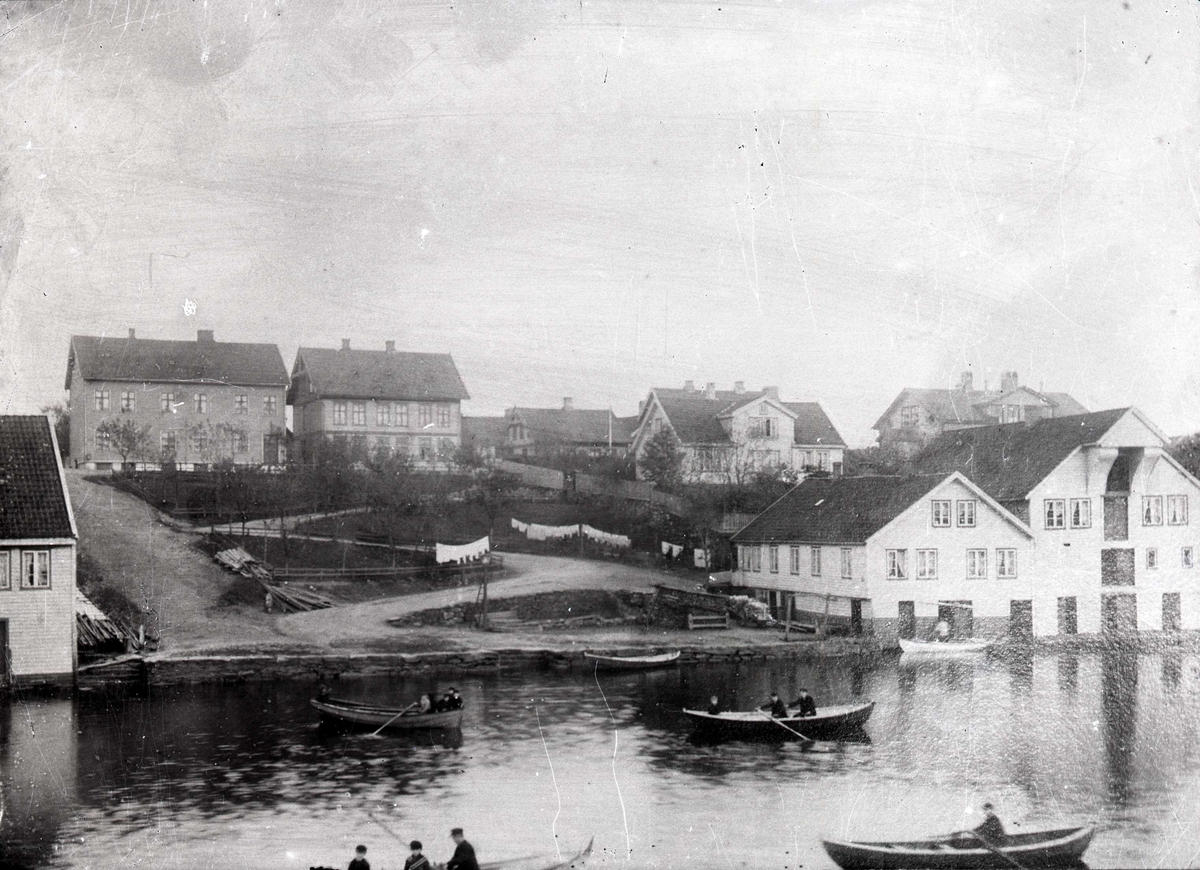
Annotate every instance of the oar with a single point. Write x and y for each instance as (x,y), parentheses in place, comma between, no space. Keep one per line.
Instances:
(786,728)
(375,733)
(995,851)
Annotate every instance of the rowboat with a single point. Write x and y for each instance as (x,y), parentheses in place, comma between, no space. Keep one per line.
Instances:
(631,663)
(340,712)
(541,862)
(830,723)
(950,647)
(1063,847)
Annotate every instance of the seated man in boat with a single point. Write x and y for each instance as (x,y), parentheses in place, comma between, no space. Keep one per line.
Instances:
(991,829)
(779,709)
(453,700)
(464,853)
(714,706)
(416,860)
(804,705)
(425,705)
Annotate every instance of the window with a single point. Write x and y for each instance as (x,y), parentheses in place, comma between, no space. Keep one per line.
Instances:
(200,441)
(910,416)
(926,564)
(443,412)
(966,512)
(941,513)
(762,427)
(383,414)
(1006,564)
(35,569)
(897,567)
(794,558)
(847,564)
(1055,513)
(128,400)
(166,443)
(200,400)
(103,439)
(5,576)
(1185,556)
(270,404)
(241,442)
(823,460)
(165,402)
(358,413)
(401,414)
(425,449)
(424,415)
(1010,413)
(1151,557)
(339,413)
(815,561)
(102,400)
(756,558)
(976,564)
(774,559)
(240,404)
(1177,510)
(1152,510)
(1081,513)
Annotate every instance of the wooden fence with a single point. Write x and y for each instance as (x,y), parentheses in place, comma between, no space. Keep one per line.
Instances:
(633,490)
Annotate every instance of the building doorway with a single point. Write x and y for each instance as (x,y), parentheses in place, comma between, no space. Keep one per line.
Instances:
(856,625)
(959,615)
(1118,614)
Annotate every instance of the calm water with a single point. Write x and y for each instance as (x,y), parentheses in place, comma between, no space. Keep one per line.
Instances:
(241,776)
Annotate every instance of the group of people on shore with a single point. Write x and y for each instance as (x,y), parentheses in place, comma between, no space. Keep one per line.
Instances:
(463,858)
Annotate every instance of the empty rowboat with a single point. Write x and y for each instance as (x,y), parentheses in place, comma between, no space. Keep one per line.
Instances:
(830,723)
(354,714)
(950,647)
(1063,847)
(631,663)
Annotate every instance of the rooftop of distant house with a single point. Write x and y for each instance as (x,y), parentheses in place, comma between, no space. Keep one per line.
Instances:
(695,414)
(571,425)
(964,404)
(387,374)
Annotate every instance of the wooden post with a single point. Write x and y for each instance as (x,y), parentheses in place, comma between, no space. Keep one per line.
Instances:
(787,626)
(484,619)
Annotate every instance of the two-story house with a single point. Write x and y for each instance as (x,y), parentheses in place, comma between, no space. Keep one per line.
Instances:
(195,402)
(726,436)
(917,416)
(567,431)
(888,555)
(406,403)
(37,557)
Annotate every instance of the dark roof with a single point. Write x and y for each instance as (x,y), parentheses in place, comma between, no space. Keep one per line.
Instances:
(572,425)
(32,501)
(484,431)
(966,406)
(813,425)
(695,417)
(147,360)
(1007,461)
(837,510)
(381,374)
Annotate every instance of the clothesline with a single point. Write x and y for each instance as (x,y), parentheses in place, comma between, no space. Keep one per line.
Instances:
(463,552)
(538,532)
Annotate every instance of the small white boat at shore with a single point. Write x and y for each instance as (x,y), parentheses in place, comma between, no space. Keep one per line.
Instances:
(950,647)
(631,663)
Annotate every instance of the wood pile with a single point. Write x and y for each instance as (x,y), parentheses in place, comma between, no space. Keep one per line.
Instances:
(94,629)
(292,600)
(288,599)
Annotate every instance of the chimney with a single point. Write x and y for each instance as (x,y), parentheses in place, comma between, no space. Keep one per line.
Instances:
(773,392)
(967,382)
(641,406)
(1008,381)
(345,344)
(689,385)
(710,390)
(205,335)
(568,403)
(389,346)
(131,335)
(739,387)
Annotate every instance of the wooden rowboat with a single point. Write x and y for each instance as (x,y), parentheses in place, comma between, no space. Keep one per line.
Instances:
(950,647)
(541,862)
(1063,847)
(353,713)
(631,663)
(830,723)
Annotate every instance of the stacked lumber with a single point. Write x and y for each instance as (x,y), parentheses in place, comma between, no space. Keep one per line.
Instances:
(287,598)
(93,628)
(296,600)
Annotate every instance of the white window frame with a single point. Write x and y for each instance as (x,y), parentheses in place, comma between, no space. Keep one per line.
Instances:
(402,414)
(847,563)
(1152,558)
(1177,510)
(103,439)
(755,558)
(977,567)
(794,558)
(241,403)
(341,413)
(443,416)
(897,564)
(358,413)
(927,564)
(103,400)
(940,512)
(165,401)
(910,416)
(1006,563)
(270,405)
(424,414)
(5,570)
(814,561)
(1081,513)
(823,463)
(240,441)
(967,513)
(128,401)
(32,573)
(1054,513)
(1187,557)
(200,402)
(383,414)
(773,558)
(166,442)
(1152,510)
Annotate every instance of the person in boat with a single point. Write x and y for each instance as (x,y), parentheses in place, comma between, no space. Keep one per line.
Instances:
(453,700)
(425,705)
(991,829)
(464,853)
(323,693)
(416,861)
(778,709)
(714,706)
(942,630)
(360,861)
(804,705)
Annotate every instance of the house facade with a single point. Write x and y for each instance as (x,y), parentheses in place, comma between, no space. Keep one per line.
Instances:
(567,431)
(409,404)
(726,436)
(917,416)
(198,402)
(37,557)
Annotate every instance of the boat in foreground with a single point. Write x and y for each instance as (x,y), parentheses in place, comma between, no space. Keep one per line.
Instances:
(353,713)
(950,647)
(1063,847)
(830,723)
(541,862)
(631,663)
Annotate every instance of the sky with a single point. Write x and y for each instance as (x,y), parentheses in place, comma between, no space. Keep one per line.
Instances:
(841,198)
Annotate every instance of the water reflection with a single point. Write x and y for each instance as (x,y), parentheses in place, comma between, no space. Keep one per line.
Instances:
(1068,673)
(1119,681)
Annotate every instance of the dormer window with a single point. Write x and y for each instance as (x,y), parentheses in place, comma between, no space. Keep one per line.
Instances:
(910,416)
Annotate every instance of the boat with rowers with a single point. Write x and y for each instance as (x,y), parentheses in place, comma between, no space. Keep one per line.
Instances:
(949,647)
(631,663)
(337,711)
(831,723)
(1062,847)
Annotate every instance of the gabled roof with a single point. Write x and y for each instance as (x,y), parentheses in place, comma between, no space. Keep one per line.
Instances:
(380,374)
(33,498)
(1007,461)
(695,418)
(813,426)
(572,425)
(147,360)
(838,510)
(966,406)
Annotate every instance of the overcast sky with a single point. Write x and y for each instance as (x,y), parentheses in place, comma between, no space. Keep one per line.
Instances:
(591,199)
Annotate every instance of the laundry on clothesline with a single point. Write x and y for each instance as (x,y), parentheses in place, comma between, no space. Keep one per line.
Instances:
(672,550)
(520,526)
(607,538)
(463,552)
(700,557)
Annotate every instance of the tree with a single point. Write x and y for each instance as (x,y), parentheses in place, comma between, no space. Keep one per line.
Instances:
(662,459)
(62,426)
(126,437)
(492,491)
(1186,451)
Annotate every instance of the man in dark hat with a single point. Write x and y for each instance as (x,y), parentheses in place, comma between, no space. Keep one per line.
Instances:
(416,861)
(778,709)
(454,700)
(804,705)
(991,830)
(360,859)
(464,853)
